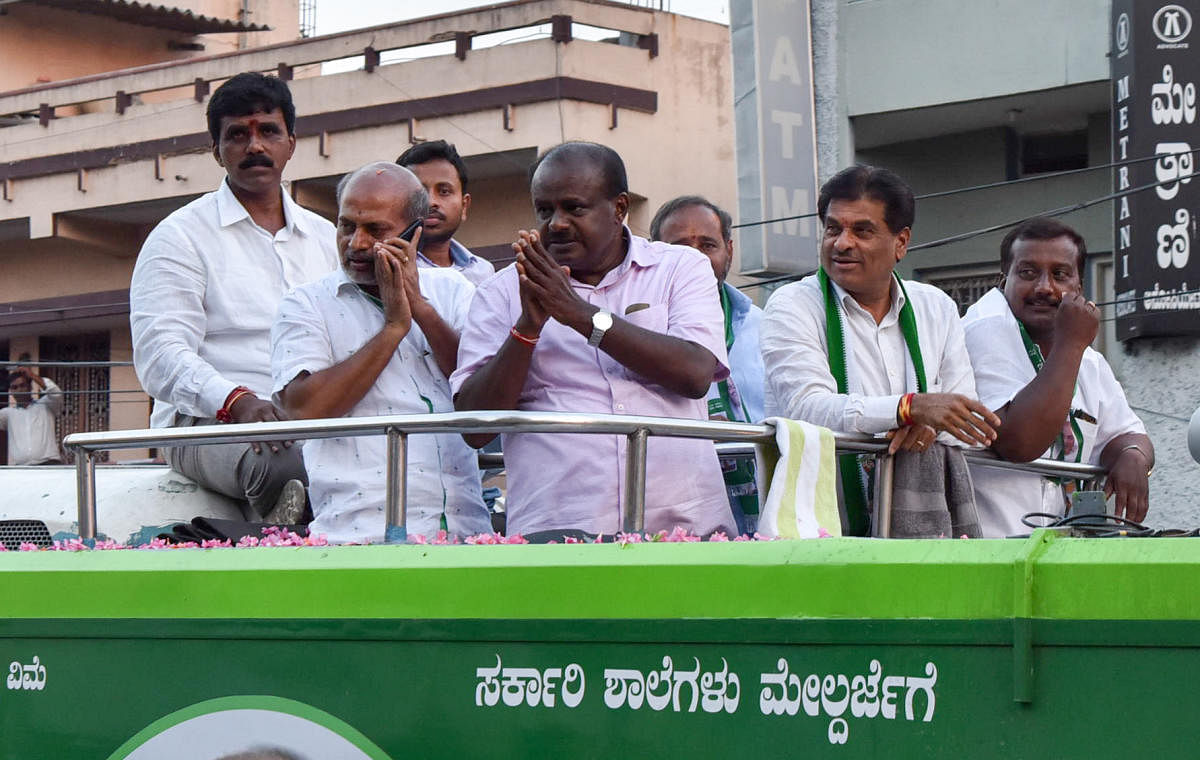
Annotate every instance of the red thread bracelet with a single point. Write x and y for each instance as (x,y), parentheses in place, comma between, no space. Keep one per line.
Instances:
(223,414)
(523,338)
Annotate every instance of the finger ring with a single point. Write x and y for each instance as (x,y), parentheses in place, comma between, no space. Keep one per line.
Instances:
(1092,304)
(403,259)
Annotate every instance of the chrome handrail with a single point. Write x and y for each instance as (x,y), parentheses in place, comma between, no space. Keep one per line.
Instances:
(397,428)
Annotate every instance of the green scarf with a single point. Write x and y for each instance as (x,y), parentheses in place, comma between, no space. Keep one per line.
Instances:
(850,466)
(739,474)
(1038,361)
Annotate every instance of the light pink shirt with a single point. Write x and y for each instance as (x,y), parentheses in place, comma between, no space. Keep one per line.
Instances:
(577,480)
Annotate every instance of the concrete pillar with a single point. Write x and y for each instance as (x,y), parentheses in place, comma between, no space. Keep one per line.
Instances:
(1161,377)
(835,140)
(127,411)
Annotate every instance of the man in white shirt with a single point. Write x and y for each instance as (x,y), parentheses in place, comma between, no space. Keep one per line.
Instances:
(205,290)
(1029,342)
(693,221)
(377,338)
(30,423)
(443,174)
(855,349)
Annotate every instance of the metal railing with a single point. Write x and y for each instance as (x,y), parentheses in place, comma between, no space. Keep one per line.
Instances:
(736,438)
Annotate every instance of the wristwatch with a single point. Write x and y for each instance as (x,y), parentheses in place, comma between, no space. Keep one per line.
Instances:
(601,322)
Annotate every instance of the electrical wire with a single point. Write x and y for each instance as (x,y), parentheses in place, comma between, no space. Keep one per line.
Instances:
(993,185)
(1103,526)
(1164,415)
(963,236)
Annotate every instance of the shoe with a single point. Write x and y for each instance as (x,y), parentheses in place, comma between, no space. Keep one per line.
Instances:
(289,507)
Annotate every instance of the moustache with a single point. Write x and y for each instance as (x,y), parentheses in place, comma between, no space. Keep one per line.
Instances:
(259,159)
(1052,303)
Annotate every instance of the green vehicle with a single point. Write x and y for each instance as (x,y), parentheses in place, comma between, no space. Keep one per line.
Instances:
(1047,646)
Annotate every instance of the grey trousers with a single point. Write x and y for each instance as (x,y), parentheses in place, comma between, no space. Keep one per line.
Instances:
(235,470)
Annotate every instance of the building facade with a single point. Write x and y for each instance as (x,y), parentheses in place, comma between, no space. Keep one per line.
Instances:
(82,187)
(998,99)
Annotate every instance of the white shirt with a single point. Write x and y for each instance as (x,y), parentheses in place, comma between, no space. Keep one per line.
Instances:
(1003,369)
(204,293)
(795,356)
(31,435)
(475,268)
(326,322)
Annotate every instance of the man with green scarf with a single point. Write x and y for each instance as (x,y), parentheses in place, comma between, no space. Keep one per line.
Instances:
(856,349)
(694,221)
(1030,343)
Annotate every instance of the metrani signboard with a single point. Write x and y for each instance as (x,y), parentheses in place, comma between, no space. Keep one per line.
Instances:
(776,137)
(1155,70)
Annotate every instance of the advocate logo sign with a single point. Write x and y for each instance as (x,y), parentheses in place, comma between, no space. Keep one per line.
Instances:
(1122,34)
(1172,24)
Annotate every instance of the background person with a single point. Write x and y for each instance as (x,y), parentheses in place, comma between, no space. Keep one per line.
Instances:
(443,174)
(30,421)
(692,221)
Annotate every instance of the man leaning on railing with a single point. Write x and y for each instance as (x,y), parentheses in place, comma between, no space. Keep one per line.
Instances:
(1029,342)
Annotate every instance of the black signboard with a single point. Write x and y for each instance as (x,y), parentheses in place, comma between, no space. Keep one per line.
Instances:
(1156,137)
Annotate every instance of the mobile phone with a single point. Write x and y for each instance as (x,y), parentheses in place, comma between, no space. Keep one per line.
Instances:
(411,230)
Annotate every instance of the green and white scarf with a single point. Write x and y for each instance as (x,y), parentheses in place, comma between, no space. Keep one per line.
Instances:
(856,483)
(725,403)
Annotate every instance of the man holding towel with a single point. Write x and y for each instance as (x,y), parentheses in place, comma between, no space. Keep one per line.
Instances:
(856,349)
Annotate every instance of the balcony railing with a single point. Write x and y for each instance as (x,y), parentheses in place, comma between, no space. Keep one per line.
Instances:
(397,429)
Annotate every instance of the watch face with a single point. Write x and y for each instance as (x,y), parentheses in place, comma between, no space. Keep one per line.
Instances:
(602,320)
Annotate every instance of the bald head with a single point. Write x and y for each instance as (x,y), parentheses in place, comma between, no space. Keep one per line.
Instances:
(375,204)
(382,177)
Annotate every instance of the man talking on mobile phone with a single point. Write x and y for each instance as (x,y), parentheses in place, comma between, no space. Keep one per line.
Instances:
(378,337)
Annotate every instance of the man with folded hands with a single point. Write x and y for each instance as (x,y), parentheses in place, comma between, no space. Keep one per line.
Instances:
(591,318)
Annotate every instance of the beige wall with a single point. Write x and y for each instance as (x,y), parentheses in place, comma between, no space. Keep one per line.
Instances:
(128,411)
(40,44)
(56,267)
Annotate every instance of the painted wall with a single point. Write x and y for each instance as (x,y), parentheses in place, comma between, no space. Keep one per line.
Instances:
(940,51)
(43,44)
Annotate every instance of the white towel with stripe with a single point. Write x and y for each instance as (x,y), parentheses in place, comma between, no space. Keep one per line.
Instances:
(802,497)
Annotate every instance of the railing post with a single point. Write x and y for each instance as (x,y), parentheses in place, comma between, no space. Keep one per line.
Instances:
(85,492)
(396,513)
(633,511)
(885,470)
